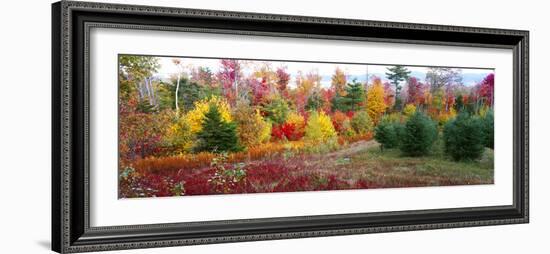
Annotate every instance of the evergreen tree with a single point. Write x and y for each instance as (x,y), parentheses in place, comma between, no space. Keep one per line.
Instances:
(396,75)
(217,135)
(387,133)
(355,96)
(459,103)
(464,137)
(418,135)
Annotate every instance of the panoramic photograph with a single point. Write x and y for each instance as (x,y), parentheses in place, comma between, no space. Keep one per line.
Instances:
(205,126)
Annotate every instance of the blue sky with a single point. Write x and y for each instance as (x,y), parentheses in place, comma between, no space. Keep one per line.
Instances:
(325,70)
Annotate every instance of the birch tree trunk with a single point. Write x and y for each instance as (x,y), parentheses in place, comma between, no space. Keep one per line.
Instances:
(177,91)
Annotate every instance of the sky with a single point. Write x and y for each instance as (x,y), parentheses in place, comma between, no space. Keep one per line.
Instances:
(470,77)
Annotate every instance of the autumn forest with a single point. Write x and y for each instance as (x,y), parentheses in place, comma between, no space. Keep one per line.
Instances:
(200,126)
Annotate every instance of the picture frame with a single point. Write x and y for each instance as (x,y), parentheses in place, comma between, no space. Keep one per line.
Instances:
(71,196)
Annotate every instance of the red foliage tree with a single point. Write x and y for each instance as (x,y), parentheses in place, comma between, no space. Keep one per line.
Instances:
(414,91)
(389,94)
(260,90)
(282,81)
(228,76)
(486,89)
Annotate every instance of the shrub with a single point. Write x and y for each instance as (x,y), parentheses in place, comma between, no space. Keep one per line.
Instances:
(179,138)
(342,124)
(418,135)
(141,134)
(226,180)
(328,145)
(298,121)
(319,128)
(361,123)
(286,131)
(251,127)
(217,135)
(292,129)
(464,137)
(387,133)
(488,129)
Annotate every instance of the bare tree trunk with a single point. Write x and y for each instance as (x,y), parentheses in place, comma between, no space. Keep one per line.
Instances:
(177,91)
(140,92)
(149,90)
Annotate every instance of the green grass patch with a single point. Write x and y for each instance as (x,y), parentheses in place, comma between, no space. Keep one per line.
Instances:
(432,169)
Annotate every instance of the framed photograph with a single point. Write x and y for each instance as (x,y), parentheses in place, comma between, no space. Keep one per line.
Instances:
(182,126)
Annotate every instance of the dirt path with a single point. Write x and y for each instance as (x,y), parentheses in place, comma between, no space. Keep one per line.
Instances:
(352,149)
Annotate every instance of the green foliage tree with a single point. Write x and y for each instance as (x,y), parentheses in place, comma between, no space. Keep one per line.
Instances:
(489,129)
(277,110)
(464,137)
(361,122)
(418,135)
(396,75)
(217,135)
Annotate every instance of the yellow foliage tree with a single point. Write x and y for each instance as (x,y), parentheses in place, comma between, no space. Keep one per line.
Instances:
(179,136)
(409,109)
(319,128)
(375,101)
(195,117)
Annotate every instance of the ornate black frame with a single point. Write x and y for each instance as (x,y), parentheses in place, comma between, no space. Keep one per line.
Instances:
(71,22)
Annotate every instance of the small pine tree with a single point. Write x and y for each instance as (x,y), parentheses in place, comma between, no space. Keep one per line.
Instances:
(216,134)
(418,135)
(355,95)
(464,137)
(387,133)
